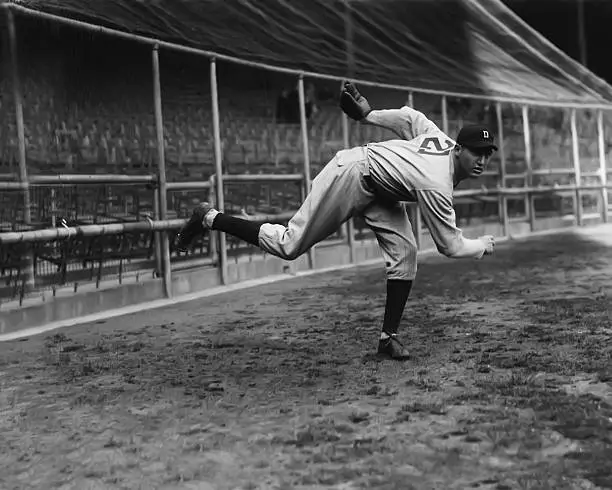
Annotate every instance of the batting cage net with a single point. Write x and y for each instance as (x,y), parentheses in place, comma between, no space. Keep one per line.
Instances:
(456,46)
(97,135)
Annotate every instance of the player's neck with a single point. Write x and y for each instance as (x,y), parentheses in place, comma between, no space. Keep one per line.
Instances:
(458,172)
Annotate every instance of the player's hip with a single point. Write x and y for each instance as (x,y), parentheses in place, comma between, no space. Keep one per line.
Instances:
(356,161)
(345,168)
(351,156)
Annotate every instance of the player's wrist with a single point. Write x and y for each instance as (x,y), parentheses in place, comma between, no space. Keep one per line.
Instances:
(375,117)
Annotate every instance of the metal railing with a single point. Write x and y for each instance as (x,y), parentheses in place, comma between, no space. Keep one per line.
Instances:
(153,228)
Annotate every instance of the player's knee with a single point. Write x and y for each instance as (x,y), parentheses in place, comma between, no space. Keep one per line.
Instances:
(291,251)
(280,241)
(403,266)
(291,255)
(402,273)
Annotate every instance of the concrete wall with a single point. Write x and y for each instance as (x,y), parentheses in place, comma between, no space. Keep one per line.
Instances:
(88,300)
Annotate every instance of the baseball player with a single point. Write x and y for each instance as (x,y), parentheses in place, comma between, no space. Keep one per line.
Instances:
(423,165)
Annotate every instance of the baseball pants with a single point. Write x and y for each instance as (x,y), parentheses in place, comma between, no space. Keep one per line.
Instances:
(339,192)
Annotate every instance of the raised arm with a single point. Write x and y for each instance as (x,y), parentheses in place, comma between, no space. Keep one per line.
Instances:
(439,216)
(406,122)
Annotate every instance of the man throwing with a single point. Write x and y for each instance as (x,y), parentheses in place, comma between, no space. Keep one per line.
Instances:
(423,165)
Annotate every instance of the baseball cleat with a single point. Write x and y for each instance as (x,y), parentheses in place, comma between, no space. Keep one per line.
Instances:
(391,347)
(194,227)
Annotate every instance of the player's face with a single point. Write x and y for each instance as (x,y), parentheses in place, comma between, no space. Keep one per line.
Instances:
(474,161)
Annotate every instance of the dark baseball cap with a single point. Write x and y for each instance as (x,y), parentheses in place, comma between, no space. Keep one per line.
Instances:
(476,136)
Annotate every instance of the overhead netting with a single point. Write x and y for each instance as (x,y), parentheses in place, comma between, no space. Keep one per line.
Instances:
(462,46)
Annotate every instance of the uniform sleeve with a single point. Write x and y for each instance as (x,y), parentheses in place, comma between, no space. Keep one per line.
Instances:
(406,122)
(439,216)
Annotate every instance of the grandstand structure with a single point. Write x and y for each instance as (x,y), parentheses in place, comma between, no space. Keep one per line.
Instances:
(118,116)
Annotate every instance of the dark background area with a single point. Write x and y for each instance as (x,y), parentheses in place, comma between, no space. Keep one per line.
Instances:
(559,21)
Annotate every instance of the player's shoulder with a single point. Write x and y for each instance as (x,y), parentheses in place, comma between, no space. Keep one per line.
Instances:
(434,143)
(435,133)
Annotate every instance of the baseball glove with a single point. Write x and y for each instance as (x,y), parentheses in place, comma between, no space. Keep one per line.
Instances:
(353,104)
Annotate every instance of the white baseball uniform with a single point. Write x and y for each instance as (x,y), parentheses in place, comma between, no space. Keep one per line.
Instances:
(371,181)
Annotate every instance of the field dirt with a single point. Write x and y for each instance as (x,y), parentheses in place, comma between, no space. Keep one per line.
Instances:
(277,387)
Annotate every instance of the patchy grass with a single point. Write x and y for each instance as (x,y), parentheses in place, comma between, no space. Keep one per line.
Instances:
(510,386)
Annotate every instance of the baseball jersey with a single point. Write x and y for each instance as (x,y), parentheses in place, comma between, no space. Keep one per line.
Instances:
(419,168)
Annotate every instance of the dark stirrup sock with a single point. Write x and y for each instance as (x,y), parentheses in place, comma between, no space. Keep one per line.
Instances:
(241,228)
(398,291)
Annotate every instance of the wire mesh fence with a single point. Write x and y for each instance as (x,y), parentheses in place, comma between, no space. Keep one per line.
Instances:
(42,266)
(551,160)
(77,204)
(89,112)
(186,97)
(588,159)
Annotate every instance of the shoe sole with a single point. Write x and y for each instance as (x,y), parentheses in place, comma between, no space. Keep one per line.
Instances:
(386,355)
(193,227)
